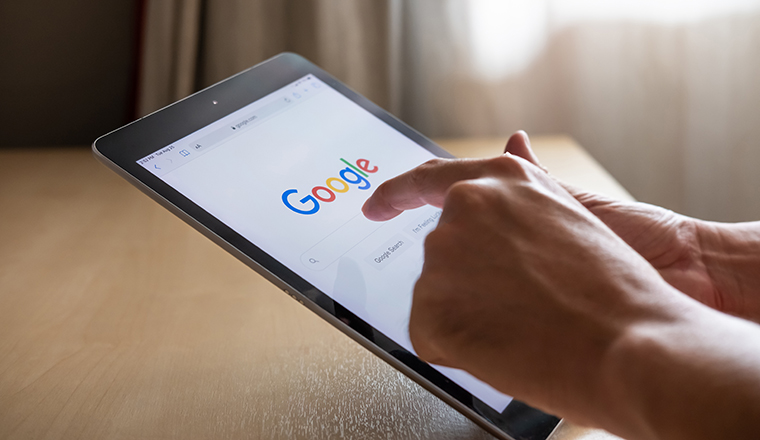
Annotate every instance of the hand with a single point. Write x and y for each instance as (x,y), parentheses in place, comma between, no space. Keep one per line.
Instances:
(522,286)
(528,290)
(673,244)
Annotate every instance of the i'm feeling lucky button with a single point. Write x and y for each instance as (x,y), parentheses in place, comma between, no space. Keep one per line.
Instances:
(389,251)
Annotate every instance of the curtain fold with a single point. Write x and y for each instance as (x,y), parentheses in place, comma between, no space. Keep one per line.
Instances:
(190,44)
(169,53)
(665,94)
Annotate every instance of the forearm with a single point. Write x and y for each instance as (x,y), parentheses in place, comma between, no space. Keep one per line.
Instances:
(697,377)
(731,255)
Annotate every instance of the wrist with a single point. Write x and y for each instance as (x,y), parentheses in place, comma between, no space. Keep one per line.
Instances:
(729,255)
(632,376)
(696,375)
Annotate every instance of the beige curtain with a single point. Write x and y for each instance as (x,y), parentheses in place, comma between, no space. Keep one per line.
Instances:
(666,93)
(169,53)
(191,44)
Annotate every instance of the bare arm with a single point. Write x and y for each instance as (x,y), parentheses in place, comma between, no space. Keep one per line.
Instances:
(528,290)
(697,377)
(731,255)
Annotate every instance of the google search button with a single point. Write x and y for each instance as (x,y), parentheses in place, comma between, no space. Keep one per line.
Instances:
(389,251)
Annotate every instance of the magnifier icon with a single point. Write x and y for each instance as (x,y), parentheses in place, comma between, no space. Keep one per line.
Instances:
(313,261)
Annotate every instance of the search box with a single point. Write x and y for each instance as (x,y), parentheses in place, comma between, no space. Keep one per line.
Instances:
(342,240)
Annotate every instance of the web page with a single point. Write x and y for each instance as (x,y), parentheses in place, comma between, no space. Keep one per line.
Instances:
(290,173)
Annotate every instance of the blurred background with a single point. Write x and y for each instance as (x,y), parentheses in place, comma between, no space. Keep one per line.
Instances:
(664,93)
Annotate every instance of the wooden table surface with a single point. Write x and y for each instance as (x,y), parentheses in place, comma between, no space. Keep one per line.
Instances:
(118,321)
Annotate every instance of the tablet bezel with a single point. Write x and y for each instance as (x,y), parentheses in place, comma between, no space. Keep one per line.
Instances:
(120,150)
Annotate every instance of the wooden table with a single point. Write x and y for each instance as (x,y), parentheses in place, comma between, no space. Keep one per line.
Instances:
(119,321)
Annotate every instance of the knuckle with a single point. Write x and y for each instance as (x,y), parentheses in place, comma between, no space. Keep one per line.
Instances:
(422,346)
(426,349)
(507,165)
(435,162)
(419,337)
(438,248)
(427,322)
(470,195)
(434,241)
(462,192)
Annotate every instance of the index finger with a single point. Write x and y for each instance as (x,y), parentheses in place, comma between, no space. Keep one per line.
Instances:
(425,185)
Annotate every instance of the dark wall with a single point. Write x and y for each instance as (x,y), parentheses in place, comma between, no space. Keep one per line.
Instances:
(66,69)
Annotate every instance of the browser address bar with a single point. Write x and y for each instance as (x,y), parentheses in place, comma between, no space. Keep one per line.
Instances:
(252,119)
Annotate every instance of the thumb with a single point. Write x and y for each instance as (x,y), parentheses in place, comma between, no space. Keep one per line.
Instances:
(588,199)
(519,145)
(599,205)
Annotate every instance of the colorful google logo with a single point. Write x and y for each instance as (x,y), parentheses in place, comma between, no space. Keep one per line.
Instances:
(352,174)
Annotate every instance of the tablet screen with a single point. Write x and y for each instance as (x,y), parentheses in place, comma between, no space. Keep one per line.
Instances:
(290,172)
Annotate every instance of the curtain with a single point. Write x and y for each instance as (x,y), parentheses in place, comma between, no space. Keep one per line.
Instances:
(191,44)
(664,93)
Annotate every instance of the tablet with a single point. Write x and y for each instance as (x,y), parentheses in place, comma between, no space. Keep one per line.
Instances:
(274,164)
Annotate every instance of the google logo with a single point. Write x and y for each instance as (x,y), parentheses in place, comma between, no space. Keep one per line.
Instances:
(352,174)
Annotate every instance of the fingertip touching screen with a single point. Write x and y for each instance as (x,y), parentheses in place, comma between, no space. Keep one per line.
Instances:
(290,172)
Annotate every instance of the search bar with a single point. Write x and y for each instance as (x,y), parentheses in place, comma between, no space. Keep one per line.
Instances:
(340,241)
